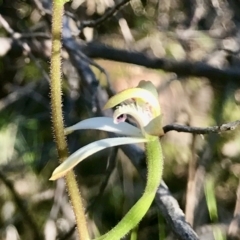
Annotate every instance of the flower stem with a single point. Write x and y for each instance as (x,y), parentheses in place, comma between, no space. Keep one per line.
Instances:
(137,212)
(57,117)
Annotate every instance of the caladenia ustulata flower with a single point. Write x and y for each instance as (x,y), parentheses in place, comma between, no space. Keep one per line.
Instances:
(142,104)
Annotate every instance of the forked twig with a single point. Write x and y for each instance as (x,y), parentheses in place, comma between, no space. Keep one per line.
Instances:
(109,13)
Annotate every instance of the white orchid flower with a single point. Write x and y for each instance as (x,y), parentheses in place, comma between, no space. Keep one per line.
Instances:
(141,103)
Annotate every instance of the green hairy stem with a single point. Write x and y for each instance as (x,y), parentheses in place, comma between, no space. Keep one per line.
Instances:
(137,212)
(57,117)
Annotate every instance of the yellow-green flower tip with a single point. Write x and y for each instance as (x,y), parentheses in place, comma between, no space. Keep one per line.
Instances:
(52,179)
(145,92)
(56,176)
(147,85)
(62,169)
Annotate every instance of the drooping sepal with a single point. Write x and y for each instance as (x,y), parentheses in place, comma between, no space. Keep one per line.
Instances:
(90,149)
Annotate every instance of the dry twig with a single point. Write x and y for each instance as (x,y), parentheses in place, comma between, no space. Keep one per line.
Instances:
(198,130)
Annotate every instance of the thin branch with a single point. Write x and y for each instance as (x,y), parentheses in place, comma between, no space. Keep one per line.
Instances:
(16,95)
(191,184)
(43,10)
(100,68)
(125,29)
(17,37)
(111,165)
(58,195)
(81,62)
(49,233)
(22,207)
(109,13)
(20,92)
(34,35)
(198,130)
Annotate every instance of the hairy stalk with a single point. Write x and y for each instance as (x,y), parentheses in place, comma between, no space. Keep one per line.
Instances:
(57,117)
(137,212)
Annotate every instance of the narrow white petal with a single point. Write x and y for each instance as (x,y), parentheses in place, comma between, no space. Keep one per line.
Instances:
(90,149)
(106,124)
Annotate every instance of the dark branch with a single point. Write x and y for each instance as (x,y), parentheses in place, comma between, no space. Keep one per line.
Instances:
(181,68)
(109,13)
(198,130)
(174,216)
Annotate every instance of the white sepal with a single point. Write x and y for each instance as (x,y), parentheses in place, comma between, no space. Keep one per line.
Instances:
(106,124)
(90,149)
